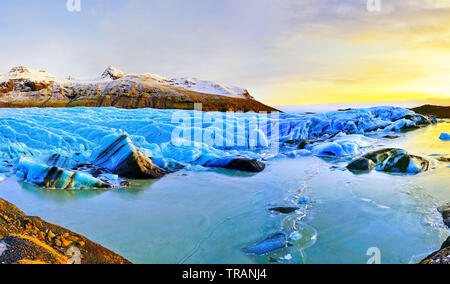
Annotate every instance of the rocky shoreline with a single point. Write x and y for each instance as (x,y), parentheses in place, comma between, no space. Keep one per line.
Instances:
(30,240)
(436,111)
(443,255)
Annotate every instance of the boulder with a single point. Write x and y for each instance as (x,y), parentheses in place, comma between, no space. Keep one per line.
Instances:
(284,210)
(402,162)
(31,240)
(303,143)
(239,164)
(122,158)
(391,137)
(392,161)
(440,257)
(445,211)
(443,255)
(361,164)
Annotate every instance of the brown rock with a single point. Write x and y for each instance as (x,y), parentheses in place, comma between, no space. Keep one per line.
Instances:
(440,257)
(135,165)
(48,244)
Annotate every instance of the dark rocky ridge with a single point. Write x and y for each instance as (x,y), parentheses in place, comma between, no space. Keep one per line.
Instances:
(30,240)
(431,110)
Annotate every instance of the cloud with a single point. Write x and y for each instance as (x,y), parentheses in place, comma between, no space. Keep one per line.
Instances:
(286,50)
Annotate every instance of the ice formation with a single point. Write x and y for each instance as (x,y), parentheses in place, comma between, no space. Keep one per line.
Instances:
(395,161)
(445,137)
(34,140)
(56,178)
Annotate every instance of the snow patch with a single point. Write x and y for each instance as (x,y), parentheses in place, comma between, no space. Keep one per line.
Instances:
(113,75)
(21,72)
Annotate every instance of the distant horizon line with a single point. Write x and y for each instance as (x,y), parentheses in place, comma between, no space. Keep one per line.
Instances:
(323,107)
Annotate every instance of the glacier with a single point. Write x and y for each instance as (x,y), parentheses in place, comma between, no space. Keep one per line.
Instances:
(56,178)
(35,140)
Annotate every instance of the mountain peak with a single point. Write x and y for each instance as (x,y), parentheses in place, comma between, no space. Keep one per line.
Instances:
(112,73)
(28,73)
(20,70)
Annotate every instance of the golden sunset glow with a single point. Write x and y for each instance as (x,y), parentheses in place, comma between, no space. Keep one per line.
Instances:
(399,54)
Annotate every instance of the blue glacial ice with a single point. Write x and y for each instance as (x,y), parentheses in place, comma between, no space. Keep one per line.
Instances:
(176,139)
(343,146)
(54,177)
(272,243)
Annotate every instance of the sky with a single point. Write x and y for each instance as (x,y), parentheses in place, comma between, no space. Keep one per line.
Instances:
(285,52)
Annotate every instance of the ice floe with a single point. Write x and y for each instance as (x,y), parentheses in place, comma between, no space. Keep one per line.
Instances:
(445,137)
(56,178)
(272,243)
(395,161)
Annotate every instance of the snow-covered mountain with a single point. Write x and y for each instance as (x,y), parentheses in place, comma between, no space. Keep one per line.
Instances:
(25,87)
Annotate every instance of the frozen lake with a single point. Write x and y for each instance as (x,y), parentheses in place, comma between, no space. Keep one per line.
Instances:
(209,216)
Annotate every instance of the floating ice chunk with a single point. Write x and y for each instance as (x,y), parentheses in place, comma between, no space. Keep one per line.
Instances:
(120,156)
(304,153)
(272,243)
(392,161)
(297,153)
(54,177)
(303,200)
(2,177)
(295,236)
(331,149)
(445,137)
(342,146)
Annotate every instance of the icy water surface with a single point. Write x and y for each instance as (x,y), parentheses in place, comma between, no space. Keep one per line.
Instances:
(210,216)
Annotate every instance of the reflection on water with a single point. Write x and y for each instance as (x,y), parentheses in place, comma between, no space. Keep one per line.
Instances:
(210,216)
